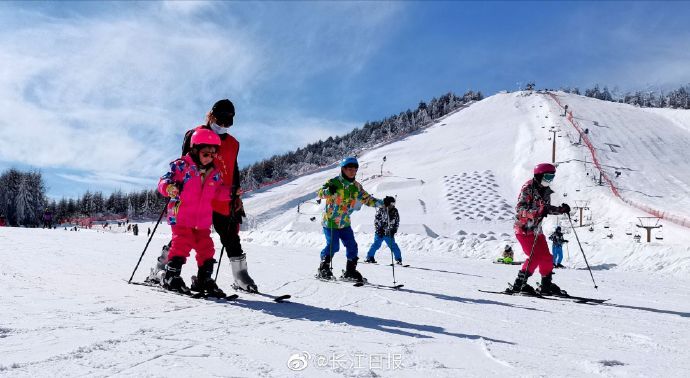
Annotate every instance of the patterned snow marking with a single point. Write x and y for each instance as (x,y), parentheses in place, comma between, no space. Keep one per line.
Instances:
(473,196)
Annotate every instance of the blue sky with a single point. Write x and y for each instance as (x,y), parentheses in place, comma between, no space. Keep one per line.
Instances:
(97,95)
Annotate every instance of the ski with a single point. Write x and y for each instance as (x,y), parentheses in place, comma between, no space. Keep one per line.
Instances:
(335,280)
(519,294)
(404,266)
(361,284)
(192,295)
(579,299)
(513,263)
(275,298)
(379,286)
(567,297)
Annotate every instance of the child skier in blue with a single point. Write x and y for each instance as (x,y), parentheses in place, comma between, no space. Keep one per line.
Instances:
(342,194)
(557,247)
(386,223)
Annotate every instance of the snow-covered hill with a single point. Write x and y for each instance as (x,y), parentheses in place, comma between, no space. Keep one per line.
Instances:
(68,311)
(456,182)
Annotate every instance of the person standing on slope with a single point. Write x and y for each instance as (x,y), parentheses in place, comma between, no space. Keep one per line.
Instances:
(192,183)
(227,214)
(534,204)
(341,194)
(386,223)
(557,247)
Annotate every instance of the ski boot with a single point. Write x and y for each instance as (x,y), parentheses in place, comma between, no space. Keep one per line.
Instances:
(325,272)
(158,273)
(398,262)
(239,271)
(547,287)
(351,273)
(204,284)
(370,260)
(520,285)
(172,280)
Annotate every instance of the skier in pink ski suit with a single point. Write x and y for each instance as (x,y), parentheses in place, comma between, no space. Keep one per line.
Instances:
(534,204)
(192,184)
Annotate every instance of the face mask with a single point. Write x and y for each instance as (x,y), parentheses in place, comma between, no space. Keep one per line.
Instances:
(219,129)
(545,183)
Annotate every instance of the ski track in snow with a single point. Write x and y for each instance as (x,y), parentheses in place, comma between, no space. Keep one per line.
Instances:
(67,310)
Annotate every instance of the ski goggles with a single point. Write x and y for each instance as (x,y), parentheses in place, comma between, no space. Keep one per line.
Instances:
(548,177)
(351,166)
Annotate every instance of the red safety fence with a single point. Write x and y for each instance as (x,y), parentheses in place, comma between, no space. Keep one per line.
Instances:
(677,219)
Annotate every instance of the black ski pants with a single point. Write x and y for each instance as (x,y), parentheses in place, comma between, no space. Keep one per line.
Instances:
(229,231)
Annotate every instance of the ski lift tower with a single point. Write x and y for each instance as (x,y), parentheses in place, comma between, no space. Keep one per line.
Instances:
(553,130)
(649,223)
(581,205)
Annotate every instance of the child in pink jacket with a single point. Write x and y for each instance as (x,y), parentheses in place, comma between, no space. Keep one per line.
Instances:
(192,183)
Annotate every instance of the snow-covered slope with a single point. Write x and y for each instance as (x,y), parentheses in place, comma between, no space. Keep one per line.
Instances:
(66,309)
(456,182)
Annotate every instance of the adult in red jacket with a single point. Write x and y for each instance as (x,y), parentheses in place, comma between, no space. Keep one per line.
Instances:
(227,215)
(534,204)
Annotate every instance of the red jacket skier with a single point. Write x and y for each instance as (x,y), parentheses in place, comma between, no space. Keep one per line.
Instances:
(534,204)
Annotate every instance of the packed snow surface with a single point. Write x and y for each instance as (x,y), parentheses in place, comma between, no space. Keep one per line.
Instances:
(67,309)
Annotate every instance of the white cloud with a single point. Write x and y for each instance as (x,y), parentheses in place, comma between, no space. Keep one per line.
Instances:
(112,92)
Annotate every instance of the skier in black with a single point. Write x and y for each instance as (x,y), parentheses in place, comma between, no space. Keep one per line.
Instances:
(557,247)
(386,223)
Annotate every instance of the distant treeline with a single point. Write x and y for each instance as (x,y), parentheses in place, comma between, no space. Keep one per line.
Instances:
(22,197)
(331,150)
(23,202)
(676,99)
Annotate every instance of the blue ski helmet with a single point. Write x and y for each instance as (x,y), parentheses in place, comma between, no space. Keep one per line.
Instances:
(349,161)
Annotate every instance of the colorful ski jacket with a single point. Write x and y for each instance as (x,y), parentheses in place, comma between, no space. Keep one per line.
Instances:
(386,221)
(534,202)
(341,204)
(192,206)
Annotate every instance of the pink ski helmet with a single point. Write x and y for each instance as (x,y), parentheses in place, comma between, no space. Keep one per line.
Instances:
(205,136)
(544,168)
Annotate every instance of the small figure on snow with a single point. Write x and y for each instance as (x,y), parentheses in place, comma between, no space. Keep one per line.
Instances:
(557,247)
(534,204)
(507,256)
(386,223)
(192,183)
(341,194)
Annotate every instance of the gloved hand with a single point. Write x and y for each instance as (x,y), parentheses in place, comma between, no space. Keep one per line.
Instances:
(564,208)
(238,206)
(330,188)
(173,190)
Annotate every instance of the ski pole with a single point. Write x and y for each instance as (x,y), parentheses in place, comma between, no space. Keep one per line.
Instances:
(388,220)
(583,252)
(150,237)
(219,260)
(531,251)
